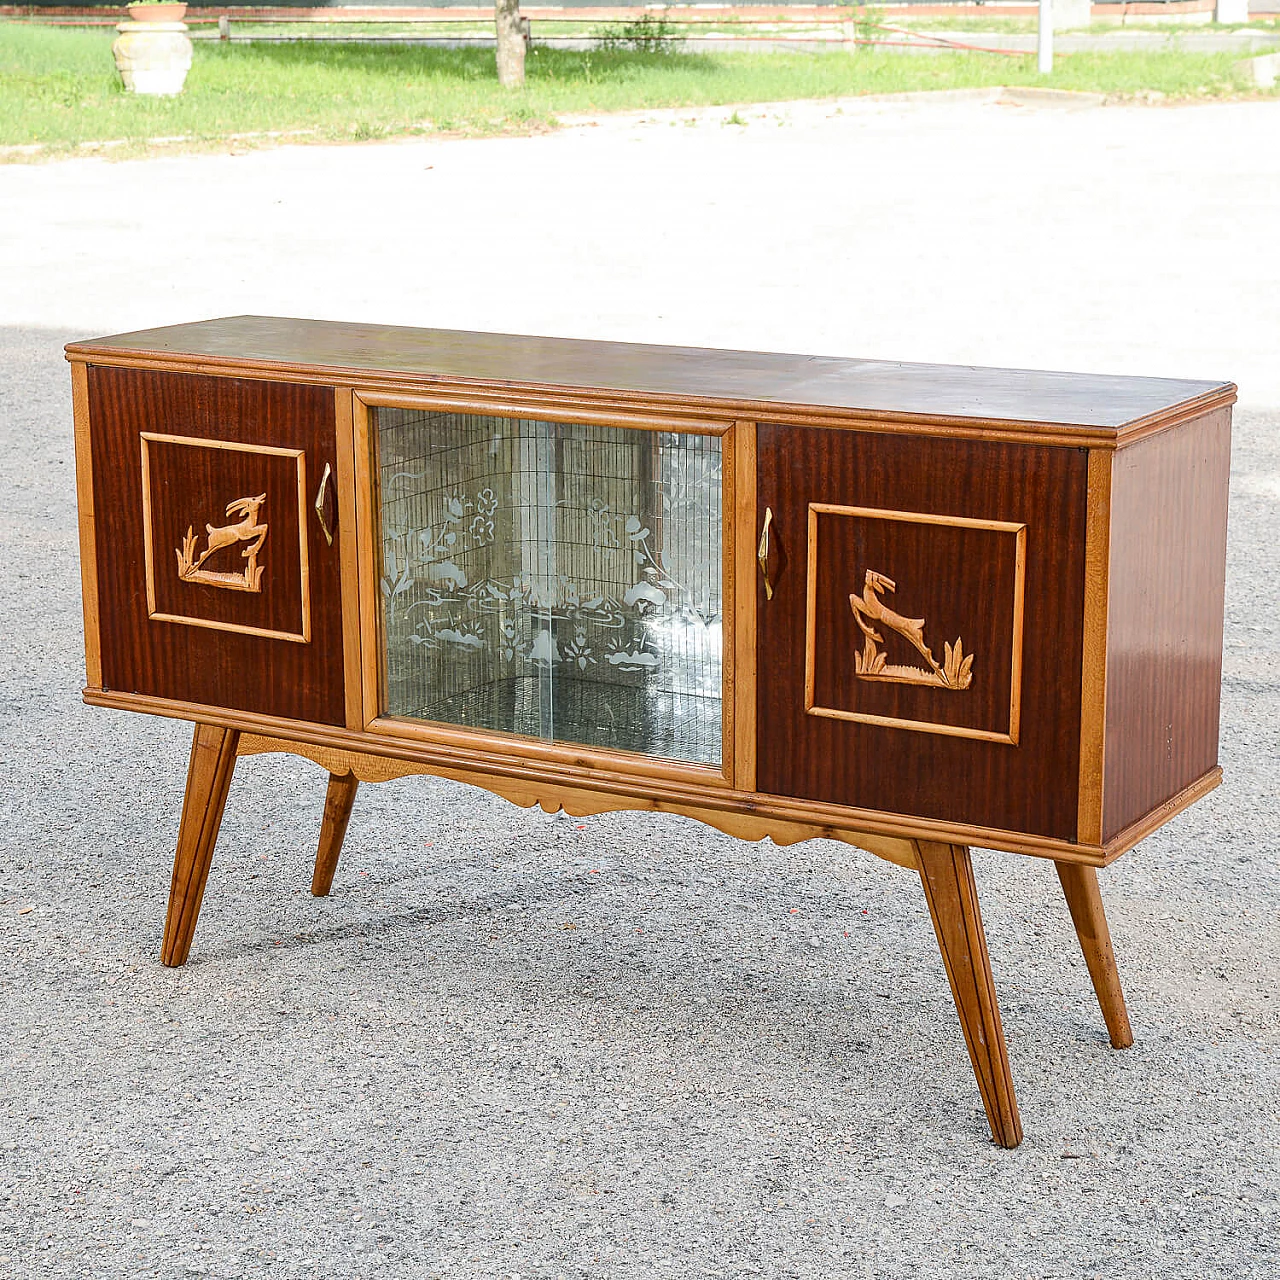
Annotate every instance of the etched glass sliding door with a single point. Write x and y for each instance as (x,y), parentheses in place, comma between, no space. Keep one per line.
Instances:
(555,580)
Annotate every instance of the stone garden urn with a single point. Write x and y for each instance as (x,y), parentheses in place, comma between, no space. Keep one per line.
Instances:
(153,51)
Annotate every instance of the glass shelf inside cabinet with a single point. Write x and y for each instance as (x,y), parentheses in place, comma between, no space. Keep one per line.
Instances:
(555,580)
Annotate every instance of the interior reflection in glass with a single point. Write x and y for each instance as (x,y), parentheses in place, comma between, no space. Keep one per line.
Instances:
(561,581)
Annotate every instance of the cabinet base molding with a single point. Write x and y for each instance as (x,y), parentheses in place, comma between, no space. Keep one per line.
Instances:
(583,804)
(404,758)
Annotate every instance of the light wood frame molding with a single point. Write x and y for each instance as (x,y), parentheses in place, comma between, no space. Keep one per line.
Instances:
(397,386)
(549,409)
(146,438)
(368,502)
(738,700)
(1019,532)
(1093,679)
(623,783)
(740,540)
(87,524)
(579,802)
(728,579)
(348,554)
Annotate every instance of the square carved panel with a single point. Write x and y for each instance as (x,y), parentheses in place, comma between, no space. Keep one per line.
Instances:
(915,621)
(224,536)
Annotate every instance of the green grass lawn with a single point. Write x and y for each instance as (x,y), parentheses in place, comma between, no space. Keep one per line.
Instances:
(58,86)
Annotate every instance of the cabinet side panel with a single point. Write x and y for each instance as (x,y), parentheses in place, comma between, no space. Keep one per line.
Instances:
(286,433)
(1164,632)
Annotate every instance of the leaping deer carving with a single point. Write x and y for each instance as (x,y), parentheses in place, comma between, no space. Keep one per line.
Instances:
(956,671)
(246,529)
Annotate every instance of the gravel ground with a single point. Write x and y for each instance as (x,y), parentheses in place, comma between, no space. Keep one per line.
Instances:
(515,1045)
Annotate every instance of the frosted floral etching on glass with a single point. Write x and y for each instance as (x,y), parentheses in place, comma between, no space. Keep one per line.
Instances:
(553,579)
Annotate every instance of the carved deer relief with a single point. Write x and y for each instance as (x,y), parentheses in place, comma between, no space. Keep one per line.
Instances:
(246,529)
(956,670)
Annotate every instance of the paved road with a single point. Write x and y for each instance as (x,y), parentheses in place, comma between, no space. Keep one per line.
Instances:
(432,1074)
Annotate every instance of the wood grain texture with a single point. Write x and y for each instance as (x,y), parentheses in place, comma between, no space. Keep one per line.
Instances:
(524,402)
(1084,900)
(733,655)
(349,554)
(338,801)
(198,665)
(186,485)
(946,872)
(213,760)
(1093,666)
(368,518)
(554,795)
(746,384)
(1138,831)
(87,524)
(1030,788)
(334,760)
(741,683)
(630,790)
(1164,631)
(970,572)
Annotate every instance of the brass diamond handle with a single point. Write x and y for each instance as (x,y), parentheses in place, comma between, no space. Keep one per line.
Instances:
(762,553)
(320,515)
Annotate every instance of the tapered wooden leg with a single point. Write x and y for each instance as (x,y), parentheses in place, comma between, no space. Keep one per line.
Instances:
(946,872)
(337,813)
(1080,884)
(213,760)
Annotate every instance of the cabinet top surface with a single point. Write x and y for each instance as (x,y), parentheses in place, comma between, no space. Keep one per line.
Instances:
(716,379)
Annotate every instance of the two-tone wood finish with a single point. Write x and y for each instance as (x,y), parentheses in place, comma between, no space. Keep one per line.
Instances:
(962,577)
(992,615)
(184,481)
(1093,663)
(873,535)
(226,661)
(348,543)
(1018,405)
(999,406)
(492,765)
(737,767)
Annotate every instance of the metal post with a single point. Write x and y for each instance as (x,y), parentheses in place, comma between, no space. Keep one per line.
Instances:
(1044,41)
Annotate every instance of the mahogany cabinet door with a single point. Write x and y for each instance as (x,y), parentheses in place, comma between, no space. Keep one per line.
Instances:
(216,584)
(921,652)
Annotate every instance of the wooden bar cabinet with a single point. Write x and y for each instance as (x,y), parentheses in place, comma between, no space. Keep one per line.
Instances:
(910,607)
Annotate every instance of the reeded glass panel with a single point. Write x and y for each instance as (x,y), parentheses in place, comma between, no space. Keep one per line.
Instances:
(560,581)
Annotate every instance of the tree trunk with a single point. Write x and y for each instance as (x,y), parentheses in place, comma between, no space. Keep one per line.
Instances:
(506,14)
